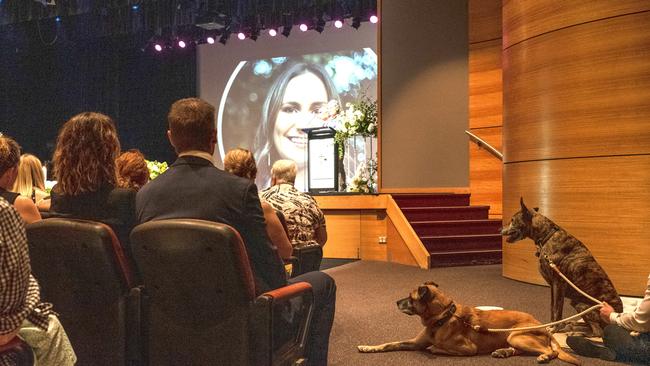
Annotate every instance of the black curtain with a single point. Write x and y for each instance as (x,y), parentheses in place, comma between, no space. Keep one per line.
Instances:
(42,86)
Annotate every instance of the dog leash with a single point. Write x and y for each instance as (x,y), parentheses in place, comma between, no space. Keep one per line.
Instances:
(557,270)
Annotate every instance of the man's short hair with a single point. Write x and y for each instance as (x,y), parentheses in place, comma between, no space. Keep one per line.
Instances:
(191,122)
(284,171)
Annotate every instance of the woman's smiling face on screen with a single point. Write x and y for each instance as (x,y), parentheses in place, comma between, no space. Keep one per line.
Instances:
(304,95)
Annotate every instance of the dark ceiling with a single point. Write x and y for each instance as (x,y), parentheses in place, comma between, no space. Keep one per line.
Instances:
(86,19)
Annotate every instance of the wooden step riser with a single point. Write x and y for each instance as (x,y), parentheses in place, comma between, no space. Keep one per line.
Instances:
(431,200)
(447,245)
(464,259)
(466,213)
(436,229)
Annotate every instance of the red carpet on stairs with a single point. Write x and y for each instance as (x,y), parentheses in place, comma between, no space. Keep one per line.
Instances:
(454,233)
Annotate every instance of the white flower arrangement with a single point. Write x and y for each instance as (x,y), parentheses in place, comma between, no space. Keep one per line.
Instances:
(156,168)
(364,178)
(359,118)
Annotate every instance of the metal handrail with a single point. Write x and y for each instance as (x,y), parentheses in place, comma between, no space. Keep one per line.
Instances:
(481,143)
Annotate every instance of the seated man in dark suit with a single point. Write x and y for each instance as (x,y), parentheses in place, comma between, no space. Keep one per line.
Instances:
(194,188)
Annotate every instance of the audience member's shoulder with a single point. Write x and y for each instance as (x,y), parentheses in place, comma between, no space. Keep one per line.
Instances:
(8,214)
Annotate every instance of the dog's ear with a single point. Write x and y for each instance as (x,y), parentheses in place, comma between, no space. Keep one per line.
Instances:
(431,283)
(424,293)
(524,210)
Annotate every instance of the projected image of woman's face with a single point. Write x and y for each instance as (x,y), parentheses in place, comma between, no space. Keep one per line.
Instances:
(304,95)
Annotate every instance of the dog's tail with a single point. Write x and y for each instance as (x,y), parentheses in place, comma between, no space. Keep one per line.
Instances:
(563,355)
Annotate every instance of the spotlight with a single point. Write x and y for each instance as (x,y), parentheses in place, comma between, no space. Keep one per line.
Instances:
(224,37)
(210,40)
(273,32)
(241,36)
(303,27)
(254,34)
(356,22)
(182,44)
(320,26)
(158,47)
(286,30)
(57,19)
(135,7)
(338,24)
(374,19)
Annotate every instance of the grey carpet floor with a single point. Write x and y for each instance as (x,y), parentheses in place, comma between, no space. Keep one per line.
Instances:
(366,312)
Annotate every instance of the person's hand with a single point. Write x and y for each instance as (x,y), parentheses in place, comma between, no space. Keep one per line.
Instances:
(605,311)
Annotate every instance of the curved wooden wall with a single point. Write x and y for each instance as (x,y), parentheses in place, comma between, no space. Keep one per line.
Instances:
(576,134)
(485,103)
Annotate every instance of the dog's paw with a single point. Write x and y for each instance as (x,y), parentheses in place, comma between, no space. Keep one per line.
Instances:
(367,349)
(503,352)
(543,358)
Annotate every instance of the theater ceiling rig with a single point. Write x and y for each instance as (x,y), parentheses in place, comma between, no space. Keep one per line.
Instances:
(171,23)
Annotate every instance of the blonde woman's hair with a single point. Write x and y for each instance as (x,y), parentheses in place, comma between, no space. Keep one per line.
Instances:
(9,153)
(84,158)
(30,175)
(241,163)
(284,171)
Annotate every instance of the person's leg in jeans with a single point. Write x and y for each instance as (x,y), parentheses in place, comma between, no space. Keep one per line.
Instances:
(627,348)
(324,289)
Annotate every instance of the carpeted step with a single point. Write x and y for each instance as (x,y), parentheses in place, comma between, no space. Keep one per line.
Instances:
(431,200)
(446,213)
(465,258)
(456,227)
(462,242)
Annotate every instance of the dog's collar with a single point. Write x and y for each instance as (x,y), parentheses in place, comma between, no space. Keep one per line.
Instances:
(446,316)
(540,242)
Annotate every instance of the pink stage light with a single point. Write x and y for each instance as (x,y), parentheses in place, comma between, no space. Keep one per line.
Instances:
(241,36)
(182,44)
(157,47)
(210,40)
(374,19)
(273,32)
(338,24)
(303,27)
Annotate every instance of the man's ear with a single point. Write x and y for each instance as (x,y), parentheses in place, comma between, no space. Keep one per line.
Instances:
(424,293)
(170,138)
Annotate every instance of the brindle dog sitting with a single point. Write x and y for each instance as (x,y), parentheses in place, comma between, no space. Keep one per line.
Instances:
(573,259)
(454,329)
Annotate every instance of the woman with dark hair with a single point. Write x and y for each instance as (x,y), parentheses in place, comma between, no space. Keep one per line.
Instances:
(241,163)
(131,169)
(9,163)
(84,165)
(292,103)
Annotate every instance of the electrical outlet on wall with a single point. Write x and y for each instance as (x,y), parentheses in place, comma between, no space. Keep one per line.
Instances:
(382,240)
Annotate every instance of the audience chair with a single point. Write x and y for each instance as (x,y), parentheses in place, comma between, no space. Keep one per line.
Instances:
(82,271)
(202,303)
(304,258)
(18,351)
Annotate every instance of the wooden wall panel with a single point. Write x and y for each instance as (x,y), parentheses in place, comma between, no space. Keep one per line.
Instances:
(579,91)
(373,225)
(397,250)
(601,201)
(525,19)
(485,172)
(343,234)
(485,102)
(484,20)
(485,85)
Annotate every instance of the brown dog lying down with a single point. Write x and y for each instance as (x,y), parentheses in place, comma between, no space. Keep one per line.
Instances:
(454,329)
